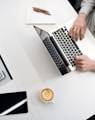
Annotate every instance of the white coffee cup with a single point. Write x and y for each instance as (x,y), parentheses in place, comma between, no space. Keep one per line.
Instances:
(47,95)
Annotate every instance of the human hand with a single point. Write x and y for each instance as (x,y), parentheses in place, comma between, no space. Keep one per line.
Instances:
(84,63)
(78,28)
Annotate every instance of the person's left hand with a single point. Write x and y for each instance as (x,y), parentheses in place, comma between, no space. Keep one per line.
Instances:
(84,63)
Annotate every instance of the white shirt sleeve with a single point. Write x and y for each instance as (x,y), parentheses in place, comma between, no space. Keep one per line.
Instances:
(87,6)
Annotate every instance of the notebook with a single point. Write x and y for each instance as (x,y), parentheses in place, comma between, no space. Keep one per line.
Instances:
(62,47)
(92,117)
(13,103)
(33,17)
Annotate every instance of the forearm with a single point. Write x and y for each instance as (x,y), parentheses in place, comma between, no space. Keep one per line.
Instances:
(87,6)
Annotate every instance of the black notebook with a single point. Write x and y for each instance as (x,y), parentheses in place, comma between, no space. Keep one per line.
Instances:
(13,103)
(91,118)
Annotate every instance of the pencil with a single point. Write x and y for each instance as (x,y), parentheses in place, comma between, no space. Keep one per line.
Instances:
(36,9)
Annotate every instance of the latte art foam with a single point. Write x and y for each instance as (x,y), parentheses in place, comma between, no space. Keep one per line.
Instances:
(47,94)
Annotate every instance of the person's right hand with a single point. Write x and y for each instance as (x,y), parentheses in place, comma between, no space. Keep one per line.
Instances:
(84,63)
(78,28)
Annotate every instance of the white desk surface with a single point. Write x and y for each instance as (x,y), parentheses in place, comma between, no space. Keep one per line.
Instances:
(32,68)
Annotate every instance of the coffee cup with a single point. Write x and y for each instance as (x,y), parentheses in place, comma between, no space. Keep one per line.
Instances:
(47,95)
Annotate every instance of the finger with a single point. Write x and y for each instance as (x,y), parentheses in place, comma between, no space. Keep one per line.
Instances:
(77,33)
(79,58)
(79,63)
(74,33)
(80,67)
(71,31)
(81,36)
(82,32)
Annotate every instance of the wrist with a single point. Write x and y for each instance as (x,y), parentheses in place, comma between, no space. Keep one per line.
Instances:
(82,16)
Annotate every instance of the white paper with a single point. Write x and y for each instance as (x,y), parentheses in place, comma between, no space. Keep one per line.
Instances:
(33,17)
